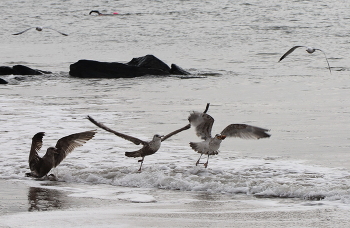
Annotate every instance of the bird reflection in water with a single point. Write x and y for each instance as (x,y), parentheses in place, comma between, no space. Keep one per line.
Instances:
(42,199)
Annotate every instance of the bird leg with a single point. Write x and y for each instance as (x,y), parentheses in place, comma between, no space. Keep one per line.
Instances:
(206,164)
(141,163)
(198,160)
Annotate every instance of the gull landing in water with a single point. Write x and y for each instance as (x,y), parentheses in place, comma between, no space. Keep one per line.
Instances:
(41,166)
(148,148)
(310,50)
(40,29)
(210,146)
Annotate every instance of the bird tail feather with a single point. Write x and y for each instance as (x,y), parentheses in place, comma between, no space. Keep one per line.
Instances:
(133,154)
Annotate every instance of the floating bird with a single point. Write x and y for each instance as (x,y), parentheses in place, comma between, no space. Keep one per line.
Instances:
(310,50)
(148,148)
(102,14)
(54,155)
(210,146)
(40,29)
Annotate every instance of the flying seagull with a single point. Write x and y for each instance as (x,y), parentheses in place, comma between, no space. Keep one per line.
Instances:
(310,50)
(148,148)
(41,166)
(40,29)
(210,146)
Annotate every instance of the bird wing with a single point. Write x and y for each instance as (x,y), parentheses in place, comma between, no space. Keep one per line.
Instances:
(68,143)
(56,31)
(126,137)
(289,51)
(206,108)
(188,126)
(326,59)
(23,31)
(203,124)
(37,143)
(245,131)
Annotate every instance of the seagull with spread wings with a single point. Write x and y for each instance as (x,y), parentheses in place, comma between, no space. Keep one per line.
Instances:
(309,50)
(40,29)
(203,124)
(148,148)
(41,166)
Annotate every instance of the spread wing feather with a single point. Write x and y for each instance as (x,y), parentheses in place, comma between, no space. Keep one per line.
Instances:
(68,143)
(245,131)
(23,31)
(203,124)
(289,51)
(188,126)
(64,34)
(329,67)
(37,142)
(124,136)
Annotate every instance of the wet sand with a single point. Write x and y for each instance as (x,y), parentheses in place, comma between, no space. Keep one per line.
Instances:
(24,206)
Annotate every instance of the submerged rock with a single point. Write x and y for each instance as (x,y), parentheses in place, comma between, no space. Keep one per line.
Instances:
(146,65)
(21,70)
(2,81)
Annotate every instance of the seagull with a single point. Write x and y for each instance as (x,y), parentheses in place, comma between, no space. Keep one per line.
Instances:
(310,50)
(210,146)
(41,166)
(148,148)
(102,14)
(40,29)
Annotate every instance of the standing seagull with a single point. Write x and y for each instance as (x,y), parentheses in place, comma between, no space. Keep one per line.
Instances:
(310,50)
(203,124)
(54,155)
(148,148)
(40,29)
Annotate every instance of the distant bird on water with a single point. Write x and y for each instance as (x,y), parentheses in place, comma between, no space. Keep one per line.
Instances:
(148,148)
(102,14)
(210,146)
(41,166)
(310,50)
(40,29)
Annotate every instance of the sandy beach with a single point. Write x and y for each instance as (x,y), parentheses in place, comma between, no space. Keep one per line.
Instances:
(170,209)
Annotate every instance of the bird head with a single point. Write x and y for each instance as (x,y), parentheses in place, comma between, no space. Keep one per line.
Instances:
(51,151)
(310,50)
(220,137)
(157,137)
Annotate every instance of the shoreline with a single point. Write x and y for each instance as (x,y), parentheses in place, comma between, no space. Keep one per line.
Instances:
(171,209)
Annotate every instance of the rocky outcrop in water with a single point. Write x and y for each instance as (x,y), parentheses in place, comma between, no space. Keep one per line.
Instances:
(2,81)
(146,65)
(21,70)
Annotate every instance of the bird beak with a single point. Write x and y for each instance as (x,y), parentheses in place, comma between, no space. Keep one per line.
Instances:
(222,137)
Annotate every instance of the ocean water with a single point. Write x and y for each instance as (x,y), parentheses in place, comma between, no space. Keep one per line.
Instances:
(234,48)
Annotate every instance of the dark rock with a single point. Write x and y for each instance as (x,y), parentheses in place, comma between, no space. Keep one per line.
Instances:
(146,65)
(21,70)
(2,81)
(95,69)
(24,70)
(175,69)
(5,70)
(149,61)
